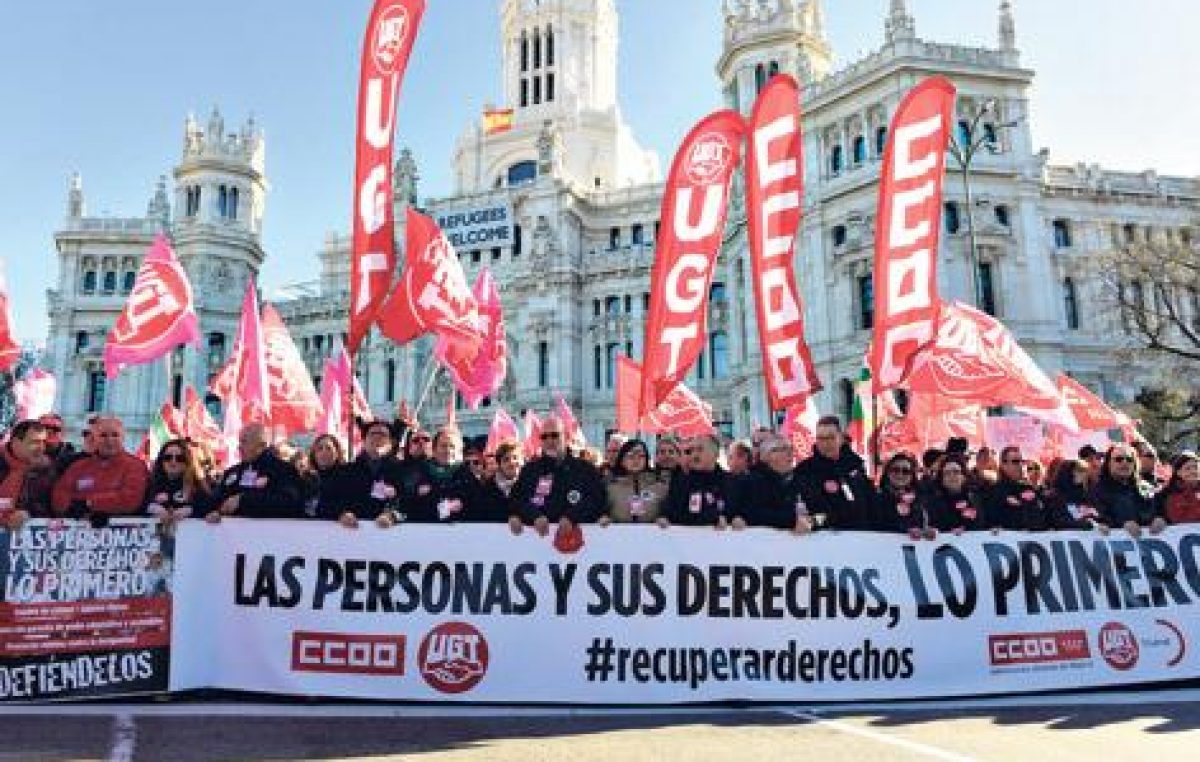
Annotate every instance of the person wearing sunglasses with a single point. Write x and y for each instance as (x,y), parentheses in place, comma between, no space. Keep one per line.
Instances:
(1013,502)
(26,476)
(110,482)
(1067,499)
(635,490)
(834,481)
(950,503)
(701,495)
(58,449)
(178,488)
(769,495)
(557,487)
(1122,497)
(896,506)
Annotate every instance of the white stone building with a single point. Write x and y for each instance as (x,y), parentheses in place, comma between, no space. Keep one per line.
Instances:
(564,206)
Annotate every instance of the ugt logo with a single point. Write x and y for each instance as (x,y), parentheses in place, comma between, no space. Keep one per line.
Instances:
(1118,646)
(389,37)
(453,657)
(709,159)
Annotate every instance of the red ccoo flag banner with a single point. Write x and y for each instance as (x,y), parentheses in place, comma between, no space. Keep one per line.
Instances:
(907,230)
(390,33)
(774,194)
(694,209)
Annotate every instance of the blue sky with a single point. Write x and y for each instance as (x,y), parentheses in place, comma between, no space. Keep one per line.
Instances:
(102,87)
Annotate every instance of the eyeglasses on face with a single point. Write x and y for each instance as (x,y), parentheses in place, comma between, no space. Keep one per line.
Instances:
(1014,462)
(1122,459)
(904,470)
(420,439)
(53,429)
(551,435)
(173,457)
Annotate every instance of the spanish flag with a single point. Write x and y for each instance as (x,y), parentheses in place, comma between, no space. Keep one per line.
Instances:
(496,120)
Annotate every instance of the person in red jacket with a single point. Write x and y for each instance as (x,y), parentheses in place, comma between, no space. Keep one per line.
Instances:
(1181,497)
(111,482)
(26,475)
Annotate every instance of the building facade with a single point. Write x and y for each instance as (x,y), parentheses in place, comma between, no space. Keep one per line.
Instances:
(563,208)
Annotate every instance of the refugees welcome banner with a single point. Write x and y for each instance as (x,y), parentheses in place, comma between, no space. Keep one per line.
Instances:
(84,612)
(644,616)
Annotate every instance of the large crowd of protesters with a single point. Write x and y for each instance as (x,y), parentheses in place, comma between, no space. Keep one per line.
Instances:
(405,474)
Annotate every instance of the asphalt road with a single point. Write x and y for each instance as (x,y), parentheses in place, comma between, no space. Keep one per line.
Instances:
(1150,725)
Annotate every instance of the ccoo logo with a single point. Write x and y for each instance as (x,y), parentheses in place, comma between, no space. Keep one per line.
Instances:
(453,657)
(1118,646)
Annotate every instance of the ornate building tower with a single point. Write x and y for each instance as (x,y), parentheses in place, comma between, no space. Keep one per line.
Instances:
(220,197)
(766,37)
(559,64)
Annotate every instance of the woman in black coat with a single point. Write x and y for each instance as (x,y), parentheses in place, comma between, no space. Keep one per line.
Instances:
(951,503)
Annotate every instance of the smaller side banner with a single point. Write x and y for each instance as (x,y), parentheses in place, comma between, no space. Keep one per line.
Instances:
(84,612)
(641,615)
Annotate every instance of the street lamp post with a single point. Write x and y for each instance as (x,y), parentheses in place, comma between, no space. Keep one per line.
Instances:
(964,148)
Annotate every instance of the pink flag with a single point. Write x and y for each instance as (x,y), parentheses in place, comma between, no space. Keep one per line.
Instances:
(245,375)
(295,406)
(571,428)
(503,429)
(198,423)
(159,316)
(481,377)
(682,412)
(35,394)
(10,351)
(532,444)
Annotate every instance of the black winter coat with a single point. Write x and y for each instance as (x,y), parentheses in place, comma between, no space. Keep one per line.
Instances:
(838,491)
(697,498)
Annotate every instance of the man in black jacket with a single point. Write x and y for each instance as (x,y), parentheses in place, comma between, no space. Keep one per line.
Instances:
(260,487)
(557,487)
(701,495)
(769,495)
(834,481)
(371,486)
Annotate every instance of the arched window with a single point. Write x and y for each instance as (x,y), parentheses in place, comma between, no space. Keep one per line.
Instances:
(89,282)
(550,87)
(549,46)
(1071,303)
(524,53)
(610,364)
(516,247)
(524,92)
(128,280)
(389,370)
(880,141)
(522,172)
(836,160)
(760,78)
(537,90)
(1062,234)
(773,69)
(987,288)
(964,133)
(839,235)
(110,282)
(860,149)
(222,202)
(953,222)
(598,367)
(1002,216)
(232,209)
(537,48)
(543,364)
(719,349)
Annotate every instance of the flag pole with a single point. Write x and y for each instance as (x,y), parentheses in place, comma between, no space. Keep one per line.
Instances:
(437,367)
(349,404)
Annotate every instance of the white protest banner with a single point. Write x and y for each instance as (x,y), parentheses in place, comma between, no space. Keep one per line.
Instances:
(1016,431)
(647,616)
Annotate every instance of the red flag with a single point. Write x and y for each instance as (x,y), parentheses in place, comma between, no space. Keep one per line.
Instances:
(174,420)
(1089,410)
(503,429)
(295,405)
(800,427)
(774,194)
(532,444)
(244,376)
(682,412)
(390,34)
(694,209)
(975,360)
(198,423)
(483,376)
(159,316)
(907,230)
(929,424)
(10,350)
(432,295)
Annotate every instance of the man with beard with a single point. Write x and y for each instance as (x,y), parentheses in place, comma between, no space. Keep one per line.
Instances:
(26,476)
(556,487)
(834,481)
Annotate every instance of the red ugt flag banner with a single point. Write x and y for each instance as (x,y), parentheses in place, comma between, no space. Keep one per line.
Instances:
(1089,410)
(774,194)
(907,230)
(390,34)
(694,209)
(159,316)
(432,295)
